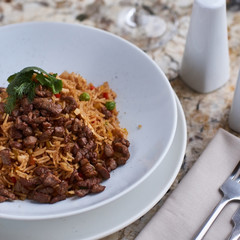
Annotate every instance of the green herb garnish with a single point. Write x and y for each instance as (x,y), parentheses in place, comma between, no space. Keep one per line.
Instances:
(21,84)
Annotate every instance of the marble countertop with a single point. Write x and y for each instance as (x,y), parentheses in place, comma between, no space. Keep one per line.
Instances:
(205,113)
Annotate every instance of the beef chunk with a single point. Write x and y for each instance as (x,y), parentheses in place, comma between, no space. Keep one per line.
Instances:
(27,131)
(46,125)
(102,171)
(49,179)
(46,190)
(58,198)
(107,113)
(78,157)
(88,183)
(29,183)
(59,131)
(38,120)
(97,188)
(5,157)
(88,169)
(121,152)
(15,133)
(87,132)
(29,142)
(62,188)
(6,193)
(15,144)
(111,164)
(25,105)
(71,104)
(41,170)
(19,124)
(108,150)
(82,192)
(42,92)
(75,149)
(68,124)
(76,126)
(46,135)
(48,105)
(41,197)
(18,187)
(15,113)
(82,141)
(2,199)
(75,177)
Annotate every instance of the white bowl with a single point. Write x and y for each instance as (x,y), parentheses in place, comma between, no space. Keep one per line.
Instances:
(144,97)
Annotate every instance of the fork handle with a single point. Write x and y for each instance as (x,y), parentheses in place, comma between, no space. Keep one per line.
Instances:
(234,236)
(209,221)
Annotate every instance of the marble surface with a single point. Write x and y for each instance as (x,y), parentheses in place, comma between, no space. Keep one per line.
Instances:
(205,113)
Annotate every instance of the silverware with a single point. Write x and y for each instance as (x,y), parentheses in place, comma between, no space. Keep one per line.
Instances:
(235,234)
(231,191)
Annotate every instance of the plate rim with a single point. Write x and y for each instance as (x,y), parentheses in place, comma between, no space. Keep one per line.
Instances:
(127,221)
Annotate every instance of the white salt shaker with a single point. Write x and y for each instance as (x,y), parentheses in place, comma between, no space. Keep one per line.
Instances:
(234,116)
(205,64)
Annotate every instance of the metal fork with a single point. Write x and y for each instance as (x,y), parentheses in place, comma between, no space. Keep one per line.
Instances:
(235,234)
(231,191)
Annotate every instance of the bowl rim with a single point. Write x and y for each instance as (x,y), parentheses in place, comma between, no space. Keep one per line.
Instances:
(155,165)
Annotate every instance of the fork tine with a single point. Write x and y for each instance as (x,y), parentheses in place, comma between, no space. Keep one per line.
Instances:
(235,171)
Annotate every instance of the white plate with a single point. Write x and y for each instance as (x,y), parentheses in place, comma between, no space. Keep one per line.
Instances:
(114,216)
(144,97)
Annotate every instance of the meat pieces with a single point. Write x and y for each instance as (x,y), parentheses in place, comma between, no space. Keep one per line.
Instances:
(41,197)
(108,150)
(29,183)
(49,179)
(15,133)
(107,113)
(46,135)
(71,104)
(87,168)
(59,131)
(58,198)
(42,92)
(19,124)
(48,105)
(5,157)
(15,144)
(50,188)
(121,152)
(102,171)
(111,164)
(25,105)
(5,194)
(29,142)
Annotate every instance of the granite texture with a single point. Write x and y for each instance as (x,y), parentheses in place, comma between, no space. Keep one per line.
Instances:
(205,113)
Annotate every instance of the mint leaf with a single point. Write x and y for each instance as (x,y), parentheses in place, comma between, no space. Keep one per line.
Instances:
(21,84)
(50,81)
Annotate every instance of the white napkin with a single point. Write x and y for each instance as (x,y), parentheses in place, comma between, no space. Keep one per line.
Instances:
(197,194)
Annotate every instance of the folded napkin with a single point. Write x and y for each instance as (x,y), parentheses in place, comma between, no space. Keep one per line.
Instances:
(185,210)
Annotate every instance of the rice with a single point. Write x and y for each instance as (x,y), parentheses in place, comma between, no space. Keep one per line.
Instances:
(56,153)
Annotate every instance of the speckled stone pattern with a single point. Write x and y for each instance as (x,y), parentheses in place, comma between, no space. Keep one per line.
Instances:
(205,113)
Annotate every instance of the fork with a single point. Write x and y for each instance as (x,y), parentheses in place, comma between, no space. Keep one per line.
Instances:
(235,234)
(231,191)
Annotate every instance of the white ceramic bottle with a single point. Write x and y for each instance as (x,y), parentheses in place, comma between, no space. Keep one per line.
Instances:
(234,115)
(205,64)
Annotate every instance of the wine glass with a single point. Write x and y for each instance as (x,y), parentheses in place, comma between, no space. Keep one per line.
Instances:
(146,29)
